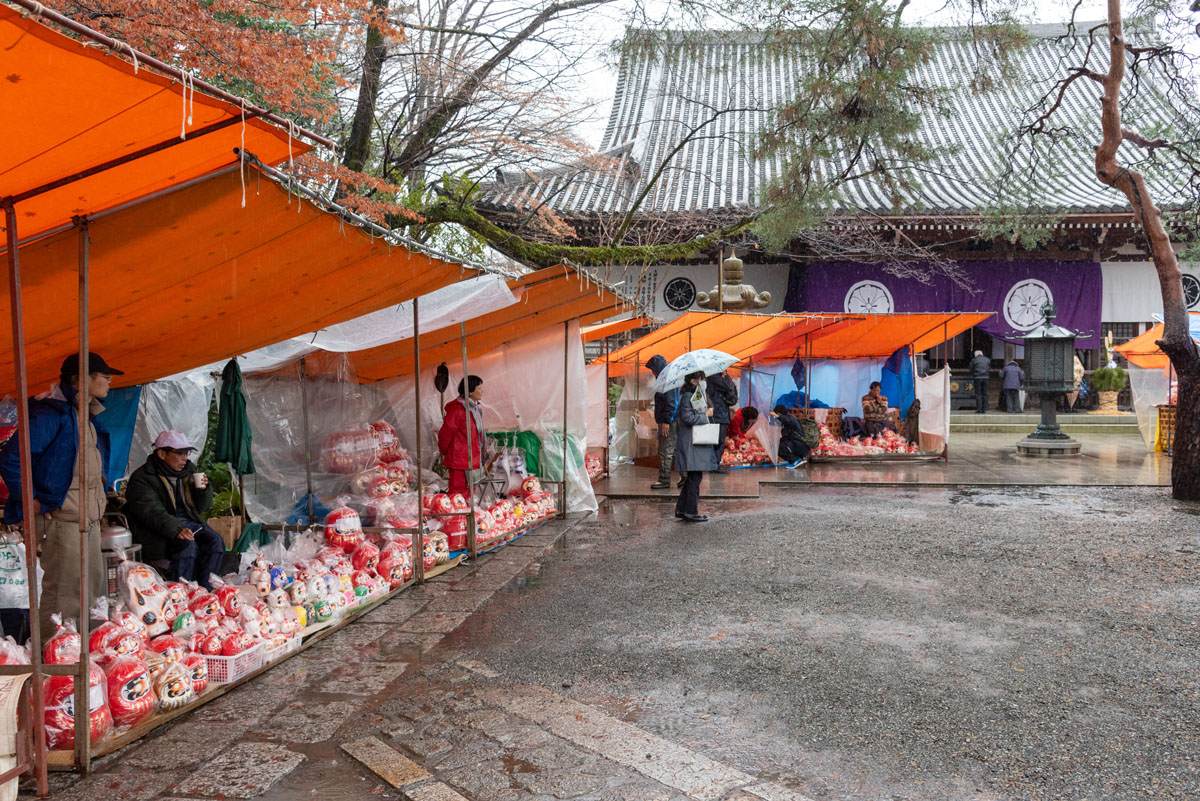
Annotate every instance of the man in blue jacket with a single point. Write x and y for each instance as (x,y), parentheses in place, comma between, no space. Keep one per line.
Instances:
(57,501)
(666,409)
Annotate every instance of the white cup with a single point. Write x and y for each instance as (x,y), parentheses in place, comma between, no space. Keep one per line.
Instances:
(199,480)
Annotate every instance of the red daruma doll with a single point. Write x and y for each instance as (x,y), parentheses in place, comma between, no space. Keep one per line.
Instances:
(130,696)
(58,692)
(343,528)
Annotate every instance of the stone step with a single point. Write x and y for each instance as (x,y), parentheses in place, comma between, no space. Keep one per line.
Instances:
(992,418)
(1025,428)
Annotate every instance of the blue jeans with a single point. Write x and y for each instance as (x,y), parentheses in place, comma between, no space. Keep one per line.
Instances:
(196,560)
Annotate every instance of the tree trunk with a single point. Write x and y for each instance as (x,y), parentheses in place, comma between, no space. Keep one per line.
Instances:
(1176,342)
(358,145)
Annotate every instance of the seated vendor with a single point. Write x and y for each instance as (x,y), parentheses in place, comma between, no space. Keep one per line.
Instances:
(166,503)
(875,409)
(743,419)
(792,447)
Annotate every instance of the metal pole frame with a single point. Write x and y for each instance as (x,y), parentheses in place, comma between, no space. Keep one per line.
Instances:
(607,411)
(307,441)
(418,539)
(83,727)
(472,544)
(562,488)
(27,499)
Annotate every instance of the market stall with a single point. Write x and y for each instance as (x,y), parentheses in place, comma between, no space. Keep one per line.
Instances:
(1154,384)
(835,354)
(99,189)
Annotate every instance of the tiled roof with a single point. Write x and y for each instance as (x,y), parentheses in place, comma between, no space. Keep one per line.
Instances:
(659,98)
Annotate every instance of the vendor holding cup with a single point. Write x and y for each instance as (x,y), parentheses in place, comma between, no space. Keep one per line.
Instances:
(166,502)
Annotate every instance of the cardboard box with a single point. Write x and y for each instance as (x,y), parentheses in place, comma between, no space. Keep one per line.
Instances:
(230,528)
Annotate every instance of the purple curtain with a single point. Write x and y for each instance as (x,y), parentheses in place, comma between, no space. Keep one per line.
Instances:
(1014,290)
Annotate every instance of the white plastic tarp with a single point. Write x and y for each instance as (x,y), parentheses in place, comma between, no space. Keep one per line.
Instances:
(1151,388)
(179,403)
(634,432)
(522,390)
(933,391)
(834,382)
(597,410)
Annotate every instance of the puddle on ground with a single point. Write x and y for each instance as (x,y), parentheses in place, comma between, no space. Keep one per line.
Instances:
(514,765)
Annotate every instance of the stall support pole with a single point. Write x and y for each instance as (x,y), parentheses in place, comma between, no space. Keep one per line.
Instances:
(27,501)
(562,488)
(307,443)
(807,371)
(750,381)
(608,412)
(83,734)
(946,393)
(472,539)
(418,539)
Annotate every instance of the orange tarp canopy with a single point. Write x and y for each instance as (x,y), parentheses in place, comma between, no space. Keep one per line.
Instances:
(70,107)
(778,336)
(547,297)
(189,277)
(1143,349)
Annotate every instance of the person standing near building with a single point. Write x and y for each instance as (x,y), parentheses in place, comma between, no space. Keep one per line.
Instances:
(723,395)
(1011,379)
(981,368)
(57,499)
(666,411)
(691,459)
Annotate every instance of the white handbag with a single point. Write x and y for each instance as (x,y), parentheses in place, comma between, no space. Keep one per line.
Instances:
(706,434)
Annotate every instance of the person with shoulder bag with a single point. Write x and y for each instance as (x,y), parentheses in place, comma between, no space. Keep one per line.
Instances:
(695,447)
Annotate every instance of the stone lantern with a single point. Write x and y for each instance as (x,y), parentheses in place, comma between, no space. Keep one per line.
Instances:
(1049,372)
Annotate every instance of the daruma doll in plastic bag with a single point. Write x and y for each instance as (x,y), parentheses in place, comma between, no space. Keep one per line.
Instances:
(197,668)
(11,653)
(173,686)
(130,697)
(343,527)
(58,692)
(108,636)
(350,450)
(64,646)
(145,594)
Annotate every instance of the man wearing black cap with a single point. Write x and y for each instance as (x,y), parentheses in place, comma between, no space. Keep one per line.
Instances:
(54,447)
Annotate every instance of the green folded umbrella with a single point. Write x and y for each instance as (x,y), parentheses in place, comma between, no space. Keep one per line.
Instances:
(233,426)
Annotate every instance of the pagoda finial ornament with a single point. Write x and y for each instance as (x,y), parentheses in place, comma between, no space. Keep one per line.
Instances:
(733,295)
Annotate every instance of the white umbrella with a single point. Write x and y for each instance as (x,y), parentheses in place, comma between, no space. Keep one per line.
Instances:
(705,360)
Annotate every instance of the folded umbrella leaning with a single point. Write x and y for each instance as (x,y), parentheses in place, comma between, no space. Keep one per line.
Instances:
(705,360)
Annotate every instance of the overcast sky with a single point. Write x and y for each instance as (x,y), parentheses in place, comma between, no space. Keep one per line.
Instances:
(609,23)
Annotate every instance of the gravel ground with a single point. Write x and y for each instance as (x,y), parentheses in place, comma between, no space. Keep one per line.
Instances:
(886,644)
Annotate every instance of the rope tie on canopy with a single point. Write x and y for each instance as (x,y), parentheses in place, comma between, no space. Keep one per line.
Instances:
(38,8)
(187,106)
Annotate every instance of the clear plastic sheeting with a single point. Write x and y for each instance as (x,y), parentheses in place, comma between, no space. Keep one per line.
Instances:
(1151,388)
(597,410)
(634,433)
(768,432)
(275,406)
(181,403)
(933,391)
(522,391)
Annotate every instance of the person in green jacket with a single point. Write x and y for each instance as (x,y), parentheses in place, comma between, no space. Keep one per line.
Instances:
(166,503)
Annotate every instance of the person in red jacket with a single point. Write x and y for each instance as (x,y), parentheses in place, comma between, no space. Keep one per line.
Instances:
(452,438)
(742,420)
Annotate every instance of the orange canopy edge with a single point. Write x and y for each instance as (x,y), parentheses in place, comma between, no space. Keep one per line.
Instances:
(1143,350)
(594,333)
(71,108)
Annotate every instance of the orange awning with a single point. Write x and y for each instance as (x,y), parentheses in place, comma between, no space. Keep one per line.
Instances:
(69,108)
(779,336)
(548,297)
(1143,350)
(189,277)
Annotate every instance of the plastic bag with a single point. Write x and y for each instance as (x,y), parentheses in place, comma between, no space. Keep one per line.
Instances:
(14,576)
(343,527)
(144,593)
(13,654)
(58,693)
(130,697)
(64,645)
(197,667)
(173,686)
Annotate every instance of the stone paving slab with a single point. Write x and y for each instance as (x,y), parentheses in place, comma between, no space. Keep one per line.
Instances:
(246,770)
(388,763)
(435,791)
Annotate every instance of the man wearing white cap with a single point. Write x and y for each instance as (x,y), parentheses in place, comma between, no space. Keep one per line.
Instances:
(167,502)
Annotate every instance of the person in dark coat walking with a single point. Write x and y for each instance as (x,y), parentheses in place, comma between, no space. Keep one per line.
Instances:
(1011,378)
(981,367)
(666,408)
(693,460)
(723,395)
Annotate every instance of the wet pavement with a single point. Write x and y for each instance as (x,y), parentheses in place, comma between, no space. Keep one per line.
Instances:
(821,643)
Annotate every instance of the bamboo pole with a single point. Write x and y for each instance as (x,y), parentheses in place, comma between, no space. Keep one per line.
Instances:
(27,499)
(307,443)
(83,727)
